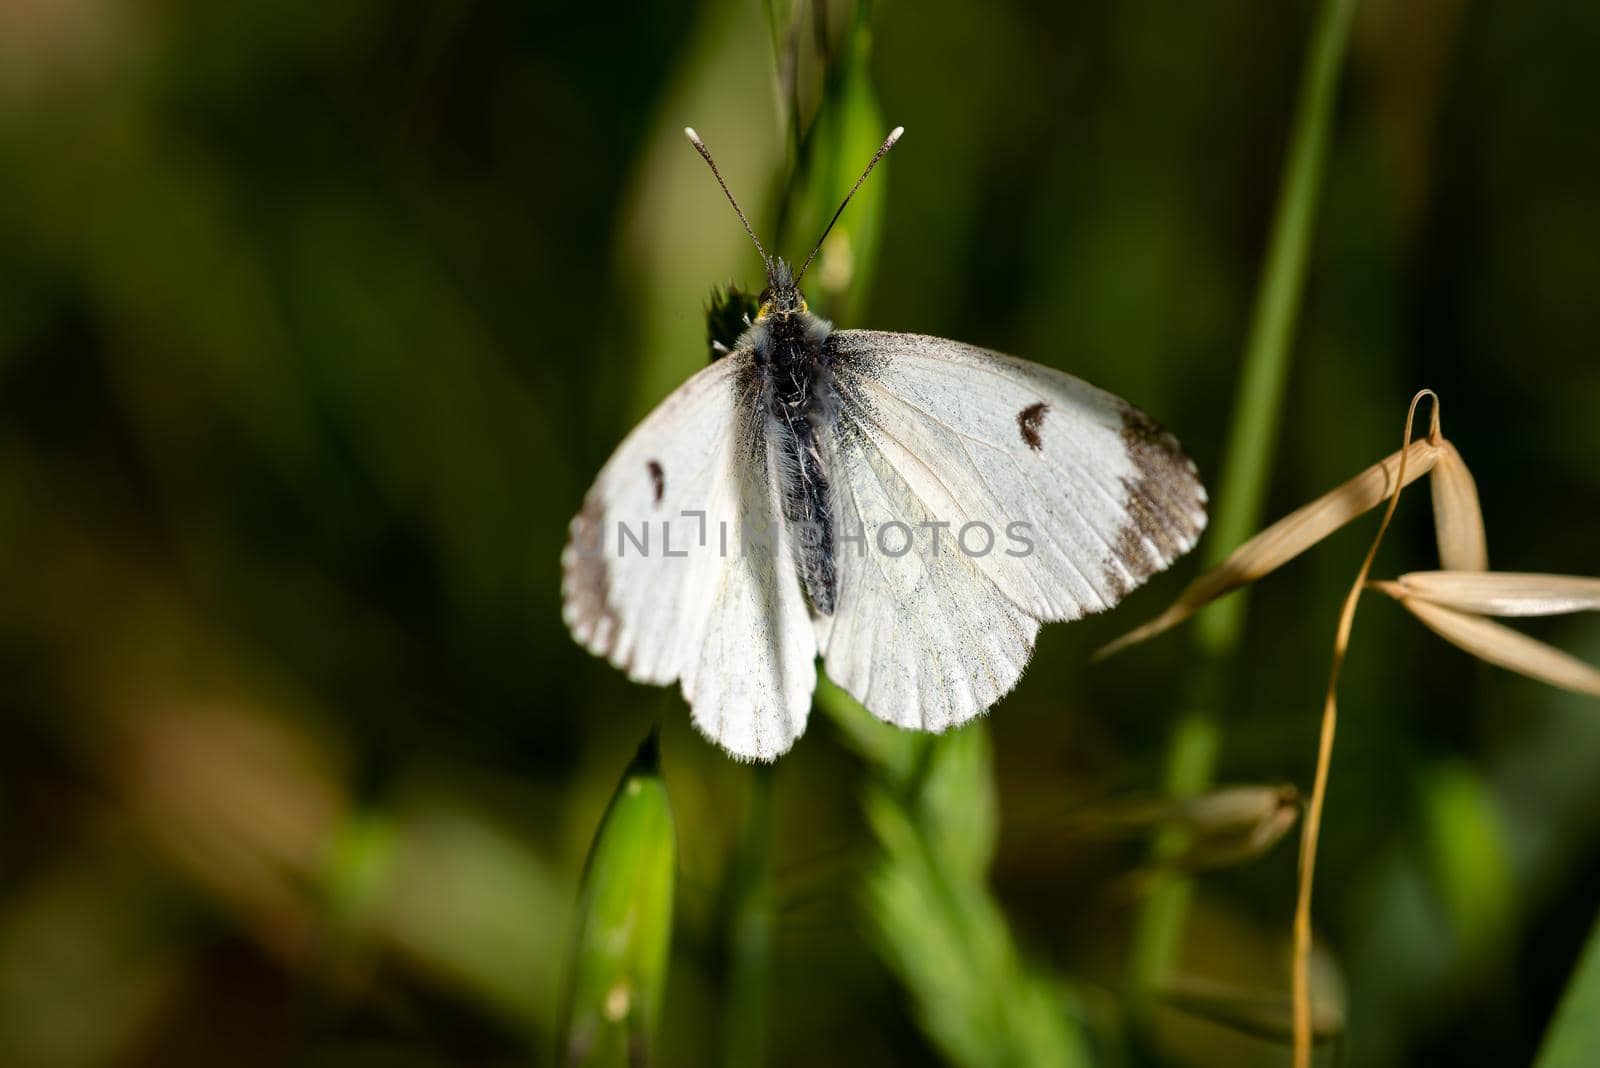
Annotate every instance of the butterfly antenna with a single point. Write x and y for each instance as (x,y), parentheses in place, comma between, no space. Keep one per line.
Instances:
(705,154)
(883,150)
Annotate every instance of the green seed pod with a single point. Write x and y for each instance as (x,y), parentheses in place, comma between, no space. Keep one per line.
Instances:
(618,968)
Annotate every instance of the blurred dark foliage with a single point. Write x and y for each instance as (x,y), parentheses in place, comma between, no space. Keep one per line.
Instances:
(317,320)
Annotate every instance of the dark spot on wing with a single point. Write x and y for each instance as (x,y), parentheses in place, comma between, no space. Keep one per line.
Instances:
(658,479)
(1029,420)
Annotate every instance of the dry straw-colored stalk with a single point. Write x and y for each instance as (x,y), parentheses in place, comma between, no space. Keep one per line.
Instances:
(1500,593)
(1452,602)
(1499,644)
(1291,536)
(1457,518)
(1330,720)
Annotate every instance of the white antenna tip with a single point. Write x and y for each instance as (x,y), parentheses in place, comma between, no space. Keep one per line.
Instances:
(688,132)
(894,134)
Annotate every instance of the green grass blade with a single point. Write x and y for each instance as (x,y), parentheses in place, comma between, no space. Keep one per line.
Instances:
(1247,463)
(618,968)
(750,920)
(1258,404)
(1573,1040)
(932,808)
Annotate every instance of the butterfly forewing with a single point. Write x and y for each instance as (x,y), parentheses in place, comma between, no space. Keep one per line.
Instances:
(1107,498)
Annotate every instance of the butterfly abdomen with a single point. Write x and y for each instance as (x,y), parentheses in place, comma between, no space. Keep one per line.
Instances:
(796,387)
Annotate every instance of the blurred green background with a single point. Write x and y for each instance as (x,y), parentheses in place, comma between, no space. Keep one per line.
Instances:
(316,321)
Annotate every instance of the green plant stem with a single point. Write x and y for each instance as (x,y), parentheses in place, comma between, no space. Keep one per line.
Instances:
(1247,464)
(750,923)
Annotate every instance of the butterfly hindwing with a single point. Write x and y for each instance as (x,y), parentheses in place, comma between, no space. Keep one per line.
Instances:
(921,637)
(750,687)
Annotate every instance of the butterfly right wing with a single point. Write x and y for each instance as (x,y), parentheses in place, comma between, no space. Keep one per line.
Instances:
(677,568)
(931,438)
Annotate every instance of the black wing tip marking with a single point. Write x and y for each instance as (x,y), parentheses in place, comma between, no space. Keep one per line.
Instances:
(1166,505)
(586,605)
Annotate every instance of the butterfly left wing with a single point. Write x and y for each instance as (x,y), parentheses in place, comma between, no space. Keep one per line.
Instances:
(676,568)
(946,438)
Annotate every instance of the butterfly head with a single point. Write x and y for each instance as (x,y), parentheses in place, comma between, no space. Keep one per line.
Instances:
(782,295)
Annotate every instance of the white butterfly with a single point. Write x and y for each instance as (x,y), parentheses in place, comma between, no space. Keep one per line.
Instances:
(908,508)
